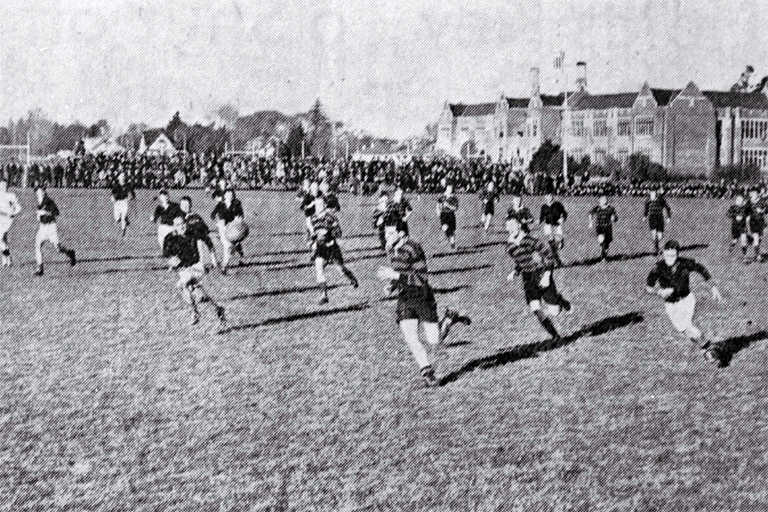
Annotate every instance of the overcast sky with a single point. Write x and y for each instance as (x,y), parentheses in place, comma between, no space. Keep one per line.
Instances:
(383,65)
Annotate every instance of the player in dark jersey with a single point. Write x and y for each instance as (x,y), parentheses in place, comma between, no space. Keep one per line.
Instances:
(655,209)
(415,299)
(163,216)
(756,221)
(379,213)
(739,213)
(197,228)
(331,199)
(224,213)
(535,264)
(488,199)
(602,217)
(552,216)
(121,193)
(447,204)
(672,275)
(308,207)
(326,232)
(180,247)
(401,207)
(47,212)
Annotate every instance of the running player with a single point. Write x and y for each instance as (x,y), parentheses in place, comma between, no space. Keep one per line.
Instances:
(519,212)
(738,213)
(655,208)
(308,207)
(447,204)
(402,207)
(553,216)
(47,211)
(672,275)
(164,214)
(326,232)
(121,193)
(331,199)
(415,298)
(224,213)
(382,207)
(181,250)
(756,221)
(488,198)
(602,217)
(535,264)
(9,208)
(197,228)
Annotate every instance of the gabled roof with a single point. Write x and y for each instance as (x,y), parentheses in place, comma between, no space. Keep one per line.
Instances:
(664,96)
(754,100)
(152,134)
(605,101)
(518,102)
(553,101)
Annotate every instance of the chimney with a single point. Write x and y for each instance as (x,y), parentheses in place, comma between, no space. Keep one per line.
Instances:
(581,76)
(535,90)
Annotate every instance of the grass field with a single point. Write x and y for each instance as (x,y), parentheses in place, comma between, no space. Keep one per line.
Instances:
(109,401)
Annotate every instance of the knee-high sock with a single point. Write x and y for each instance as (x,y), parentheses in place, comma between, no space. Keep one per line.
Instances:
(547,324)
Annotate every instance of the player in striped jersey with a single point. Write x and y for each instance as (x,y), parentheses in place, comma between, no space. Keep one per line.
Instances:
(488,198)
(535,264)
(552,216)
(9,208)
(447,204)
(756,221)
(655,208)
(602,217)
(739,213)
(325,234)
(415,298)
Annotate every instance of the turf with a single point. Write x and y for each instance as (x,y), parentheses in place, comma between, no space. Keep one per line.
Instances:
(110,401)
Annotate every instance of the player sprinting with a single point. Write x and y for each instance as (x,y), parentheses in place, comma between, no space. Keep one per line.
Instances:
(308,206)
(197,228)
(402,207)
(602,217)
(180,247)
(756,221)
(415,298)
(163,216)
(488,198)
(47,212)
(326,232)
(739,213)
(9,208)
(670,279)
(447,204)
(535,263)
(224,213)
(121,193)
(655,209)
(379,213)
(552,216)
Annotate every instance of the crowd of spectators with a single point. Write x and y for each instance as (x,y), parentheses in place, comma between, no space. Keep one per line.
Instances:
(356,176)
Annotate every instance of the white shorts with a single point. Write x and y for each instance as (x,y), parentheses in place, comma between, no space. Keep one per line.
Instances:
(681,312)
(193,273)
(6,222)
(121,209)
(163,230)
(225,243)
(47,233)
(549,229)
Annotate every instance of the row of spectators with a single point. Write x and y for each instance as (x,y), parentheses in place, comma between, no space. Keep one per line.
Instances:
(360,177)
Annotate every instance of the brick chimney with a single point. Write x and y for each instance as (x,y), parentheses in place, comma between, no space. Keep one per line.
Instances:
(581,76)
(535,88)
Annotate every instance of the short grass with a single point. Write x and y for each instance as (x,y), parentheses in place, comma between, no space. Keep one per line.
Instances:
(109,401)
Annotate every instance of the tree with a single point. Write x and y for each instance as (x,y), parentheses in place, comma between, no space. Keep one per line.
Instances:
(542,159)
(5,135)
(741,173)
(131,139)
(100,128)
(228,115)
(293,142)
(174,124)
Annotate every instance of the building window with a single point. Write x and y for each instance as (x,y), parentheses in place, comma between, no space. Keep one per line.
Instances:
(623,157)
(756,129)
(601,128)
(624,128)
(758,157)
(600,157)
(644,126)
(579,130)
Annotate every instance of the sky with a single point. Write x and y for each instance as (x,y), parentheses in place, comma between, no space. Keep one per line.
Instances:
(384,66)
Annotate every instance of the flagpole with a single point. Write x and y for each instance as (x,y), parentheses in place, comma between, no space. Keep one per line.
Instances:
(566,120)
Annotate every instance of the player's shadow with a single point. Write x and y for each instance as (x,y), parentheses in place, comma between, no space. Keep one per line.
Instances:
(311,264)
(436,291)
(731,346)
(459,270)
(299,316)
(283,291)
(626,257)
(529,350)
(287,233)
(118,258)
(361,235)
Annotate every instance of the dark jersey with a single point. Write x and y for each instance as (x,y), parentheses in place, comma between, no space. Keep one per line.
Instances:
(409,260)
(448,204)
(757,211)
(332,202)
(228,213)
(183,247)
(489,196)
(308,204)
(654,209)
(553,214)
(676,277)
(167,214)
(522,216)
(121,192)
(402,208)
(196,226)
(604,217)
(532,256)
(50,210)
(326,228)
(738,215)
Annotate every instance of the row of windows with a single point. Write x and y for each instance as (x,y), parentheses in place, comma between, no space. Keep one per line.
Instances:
(757,157)
(754,129)
(643,126)
(601,155)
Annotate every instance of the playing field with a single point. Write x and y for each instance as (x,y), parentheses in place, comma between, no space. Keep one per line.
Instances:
(110,401)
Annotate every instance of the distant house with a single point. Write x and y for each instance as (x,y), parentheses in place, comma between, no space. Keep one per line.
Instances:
(379,150)
(102,145)
(156,142)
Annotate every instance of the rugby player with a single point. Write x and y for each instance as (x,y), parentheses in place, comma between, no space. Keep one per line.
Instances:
(552,216)
(198,229)
(121,193)
(756,221)
(326,232)
(9,208)
(224,213)
(180,248)
(519,212)
(415,297)
(670,279)
(47,212)
(602,217)
(655,209)
(308,206)
(331,199)
(447,204)
(381,210)
(739,213)
(488,198)
(402,207)
(164,214)
(535,264)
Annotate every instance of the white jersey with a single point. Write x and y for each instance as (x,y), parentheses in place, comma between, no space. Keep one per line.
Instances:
(9,205)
